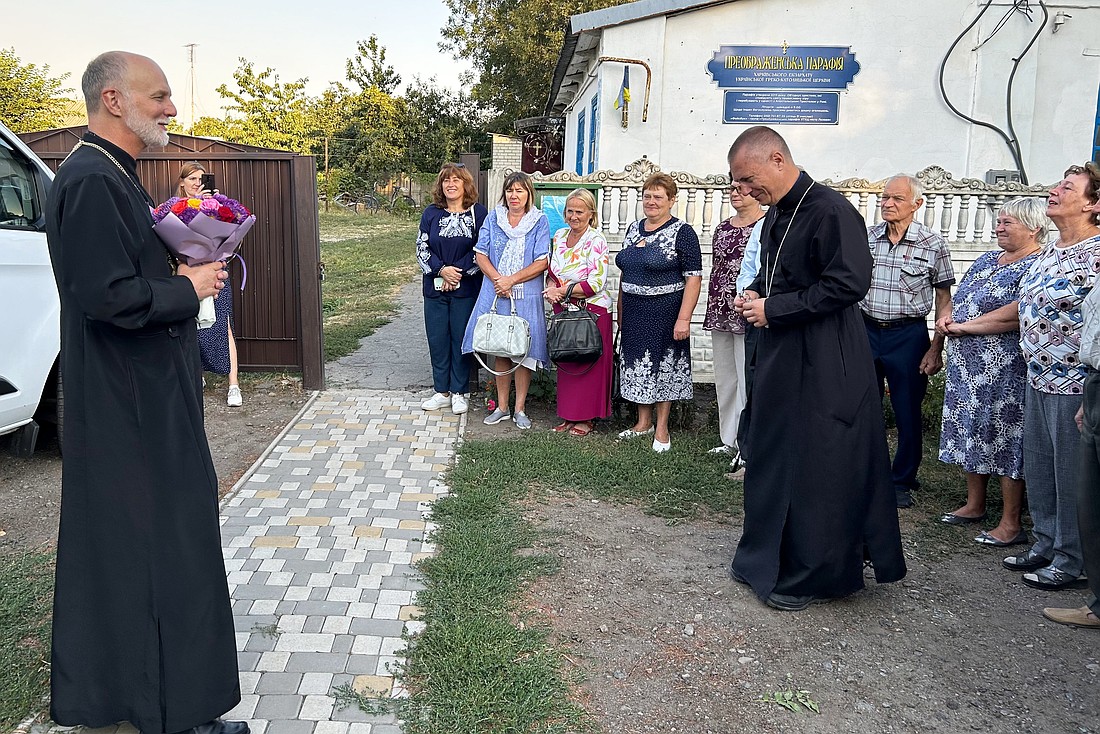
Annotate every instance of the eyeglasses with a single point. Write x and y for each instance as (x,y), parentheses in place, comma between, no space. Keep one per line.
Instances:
(452,165)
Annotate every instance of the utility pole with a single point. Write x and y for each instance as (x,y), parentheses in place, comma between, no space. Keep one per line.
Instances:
(191,81)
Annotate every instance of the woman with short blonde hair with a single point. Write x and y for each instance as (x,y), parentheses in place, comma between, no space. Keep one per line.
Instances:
(579,260)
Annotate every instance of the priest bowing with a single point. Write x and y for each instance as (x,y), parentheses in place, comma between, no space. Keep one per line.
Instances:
(818,496)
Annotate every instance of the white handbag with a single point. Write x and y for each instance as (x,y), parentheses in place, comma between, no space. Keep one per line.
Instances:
(501,335)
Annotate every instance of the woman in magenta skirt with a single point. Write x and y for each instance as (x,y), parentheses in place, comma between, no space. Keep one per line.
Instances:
(579,255)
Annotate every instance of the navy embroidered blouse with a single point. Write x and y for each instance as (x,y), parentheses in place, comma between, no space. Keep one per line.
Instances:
(448,238)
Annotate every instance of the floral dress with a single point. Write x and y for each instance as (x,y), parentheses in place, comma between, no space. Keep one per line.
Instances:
(655,267)
(726,256)
(983,407)
(584,391)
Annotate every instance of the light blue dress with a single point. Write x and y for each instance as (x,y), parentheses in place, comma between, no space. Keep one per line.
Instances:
(510,250)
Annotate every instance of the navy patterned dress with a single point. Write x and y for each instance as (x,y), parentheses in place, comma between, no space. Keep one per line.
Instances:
(655,267)
(214,341)
(983,407)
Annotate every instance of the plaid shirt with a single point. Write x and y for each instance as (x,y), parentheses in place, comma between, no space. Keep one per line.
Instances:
(906,275)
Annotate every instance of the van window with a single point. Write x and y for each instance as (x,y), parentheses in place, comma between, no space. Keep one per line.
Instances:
(20,206)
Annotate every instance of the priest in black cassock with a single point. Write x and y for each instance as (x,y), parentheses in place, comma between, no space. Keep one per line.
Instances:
(142,624)
(818,495)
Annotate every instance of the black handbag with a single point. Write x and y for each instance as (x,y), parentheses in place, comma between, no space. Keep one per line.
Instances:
(573,334)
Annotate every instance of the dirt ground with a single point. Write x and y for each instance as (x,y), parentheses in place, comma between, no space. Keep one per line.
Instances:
(30,489)
(663,641)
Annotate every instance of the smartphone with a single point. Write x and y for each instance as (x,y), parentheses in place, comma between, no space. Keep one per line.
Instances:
(438,284)
(208,182)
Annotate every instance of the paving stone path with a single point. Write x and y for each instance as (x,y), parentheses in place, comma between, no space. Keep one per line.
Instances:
(319,542)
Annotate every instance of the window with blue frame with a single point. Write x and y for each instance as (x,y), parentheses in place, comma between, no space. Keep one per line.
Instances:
(1096,135)
(580,144)
(594,133)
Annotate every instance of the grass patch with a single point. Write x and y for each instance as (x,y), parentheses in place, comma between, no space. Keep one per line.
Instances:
(685,482)
(26,595)
(482,663)
(368,259)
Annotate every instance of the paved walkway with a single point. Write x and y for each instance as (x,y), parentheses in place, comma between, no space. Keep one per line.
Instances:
(321,535)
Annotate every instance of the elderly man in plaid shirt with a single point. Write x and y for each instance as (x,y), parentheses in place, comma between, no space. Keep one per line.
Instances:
(912,268)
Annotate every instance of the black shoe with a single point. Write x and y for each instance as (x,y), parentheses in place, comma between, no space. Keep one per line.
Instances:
(789,603)
(904,497)
(738,577)
(1052,578)
(221,726)
(1026,561)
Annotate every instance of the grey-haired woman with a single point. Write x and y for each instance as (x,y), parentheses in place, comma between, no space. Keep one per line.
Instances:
(983,410)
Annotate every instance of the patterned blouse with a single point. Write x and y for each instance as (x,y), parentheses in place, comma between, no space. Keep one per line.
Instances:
(658,262)
(1050,315)
(584,262)
(728,250)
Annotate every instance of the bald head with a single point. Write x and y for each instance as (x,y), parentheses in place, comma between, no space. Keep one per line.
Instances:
(759,143)
(761,165)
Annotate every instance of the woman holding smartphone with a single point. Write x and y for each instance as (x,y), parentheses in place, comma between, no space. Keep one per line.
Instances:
(217,346)
(445,250)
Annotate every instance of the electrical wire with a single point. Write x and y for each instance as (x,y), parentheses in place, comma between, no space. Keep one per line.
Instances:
(1009,138)
(1011,79)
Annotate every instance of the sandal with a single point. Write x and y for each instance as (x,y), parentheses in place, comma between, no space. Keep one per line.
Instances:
(563,426)
(580,429)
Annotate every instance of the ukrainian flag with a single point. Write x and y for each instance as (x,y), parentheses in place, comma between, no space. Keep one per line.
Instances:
(624,91)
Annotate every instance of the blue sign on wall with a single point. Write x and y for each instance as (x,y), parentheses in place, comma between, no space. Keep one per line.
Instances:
(784,67)
(794,107)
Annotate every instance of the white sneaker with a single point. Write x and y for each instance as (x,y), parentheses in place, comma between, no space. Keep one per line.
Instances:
(234,398)
(459,404)
(723,449)
(436,402)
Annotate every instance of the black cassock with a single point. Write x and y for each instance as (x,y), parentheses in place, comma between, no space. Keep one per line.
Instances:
(818,494)
(142,625)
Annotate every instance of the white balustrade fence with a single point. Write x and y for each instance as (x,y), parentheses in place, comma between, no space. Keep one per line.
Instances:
(962,210)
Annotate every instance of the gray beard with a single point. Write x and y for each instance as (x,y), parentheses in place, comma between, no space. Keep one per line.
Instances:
(148,131)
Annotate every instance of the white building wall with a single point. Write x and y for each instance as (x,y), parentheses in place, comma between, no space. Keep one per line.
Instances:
(891,117)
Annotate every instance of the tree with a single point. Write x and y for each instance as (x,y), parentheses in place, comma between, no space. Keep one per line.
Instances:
(440,124)
(373,144)
(269,113)
(30,99)
(514,47)
(369,68)
(327,117)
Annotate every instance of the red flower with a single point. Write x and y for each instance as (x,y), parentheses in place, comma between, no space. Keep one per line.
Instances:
(225,214)
(179,206)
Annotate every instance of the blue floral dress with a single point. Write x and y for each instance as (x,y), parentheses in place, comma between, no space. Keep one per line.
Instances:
(983,407)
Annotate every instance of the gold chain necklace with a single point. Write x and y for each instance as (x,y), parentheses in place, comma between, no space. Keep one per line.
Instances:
(775,266)
(112,159)
(173,263)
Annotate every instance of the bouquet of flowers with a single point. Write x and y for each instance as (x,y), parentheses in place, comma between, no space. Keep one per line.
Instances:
(200,231)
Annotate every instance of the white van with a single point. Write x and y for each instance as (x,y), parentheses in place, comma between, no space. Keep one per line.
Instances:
(30,312)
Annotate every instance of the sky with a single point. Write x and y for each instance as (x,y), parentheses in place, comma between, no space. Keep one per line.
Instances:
(311,39)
